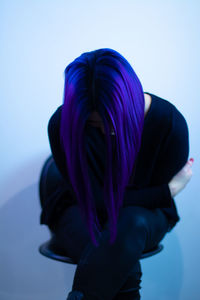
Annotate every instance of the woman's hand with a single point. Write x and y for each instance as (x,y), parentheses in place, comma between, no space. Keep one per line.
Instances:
(179,181)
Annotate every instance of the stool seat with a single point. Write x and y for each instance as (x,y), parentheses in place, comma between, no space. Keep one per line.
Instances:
(50,250)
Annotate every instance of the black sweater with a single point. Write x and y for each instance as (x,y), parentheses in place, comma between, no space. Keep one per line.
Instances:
(164,151)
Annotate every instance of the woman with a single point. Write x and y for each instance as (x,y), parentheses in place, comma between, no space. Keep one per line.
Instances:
(123,155)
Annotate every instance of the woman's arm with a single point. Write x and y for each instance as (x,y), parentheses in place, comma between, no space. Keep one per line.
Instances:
(172,159)
(150,197)
(180,180)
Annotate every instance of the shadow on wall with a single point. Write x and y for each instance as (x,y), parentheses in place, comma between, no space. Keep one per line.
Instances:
(26,274)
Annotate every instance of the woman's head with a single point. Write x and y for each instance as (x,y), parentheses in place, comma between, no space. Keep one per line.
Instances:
(101,86)
(96,121)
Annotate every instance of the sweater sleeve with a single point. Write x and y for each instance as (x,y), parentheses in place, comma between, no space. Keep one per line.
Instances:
(149,197)
(172,158)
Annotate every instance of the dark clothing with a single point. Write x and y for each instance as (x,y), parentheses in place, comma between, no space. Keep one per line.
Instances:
(164,151)
(110,272)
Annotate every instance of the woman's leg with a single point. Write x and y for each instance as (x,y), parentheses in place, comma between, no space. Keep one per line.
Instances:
(109,272)
(157,229)
(131,287)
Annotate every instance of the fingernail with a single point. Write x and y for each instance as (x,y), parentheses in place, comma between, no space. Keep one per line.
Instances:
(192,159)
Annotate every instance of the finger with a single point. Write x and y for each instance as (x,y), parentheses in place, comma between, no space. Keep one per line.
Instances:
(190,162)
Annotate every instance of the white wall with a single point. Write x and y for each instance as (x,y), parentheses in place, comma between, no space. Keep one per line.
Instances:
(38,40)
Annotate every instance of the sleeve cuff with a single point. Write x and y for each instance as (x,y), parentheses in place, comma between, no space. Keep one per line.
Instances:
(167,197)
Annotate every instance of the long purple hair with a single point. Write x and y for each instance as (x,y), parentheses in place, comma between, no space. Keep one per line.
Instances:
(104,81)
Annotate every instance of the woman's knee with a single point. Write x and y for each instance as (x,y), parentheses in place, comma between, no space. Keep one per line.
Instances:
(133,217)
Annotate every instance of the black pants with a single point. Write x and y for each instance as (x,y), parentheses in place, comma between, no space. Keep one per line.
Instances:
(111,271)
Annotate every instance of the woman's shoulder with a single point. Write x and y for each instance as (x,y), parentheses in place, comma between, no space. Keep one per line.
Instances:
(167,110)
